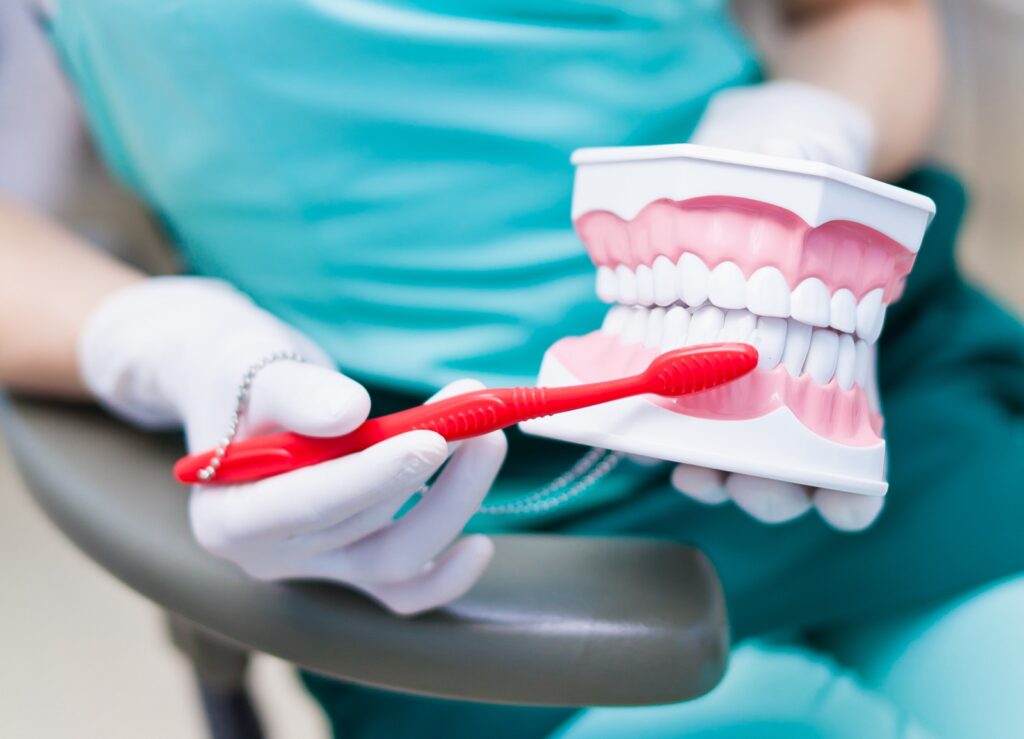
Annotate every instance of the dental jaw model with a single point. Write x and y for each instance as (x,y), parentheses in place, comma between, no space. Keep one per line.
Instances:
(694,245)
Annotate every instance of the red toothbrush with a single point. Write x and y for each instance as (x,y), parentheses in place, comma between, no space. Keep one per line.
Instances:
(677,372)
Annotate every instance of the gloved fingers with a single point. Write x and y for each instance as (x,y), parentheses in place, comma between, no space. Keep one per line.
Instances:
(447,578)
(769,501)
(313,498)
(700,483)
(345,532)
(399,551)
(305,398)
(847,511)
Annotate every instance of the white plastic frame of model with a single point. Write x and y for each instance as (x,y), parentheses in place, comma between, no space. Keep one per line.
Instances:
(695,245)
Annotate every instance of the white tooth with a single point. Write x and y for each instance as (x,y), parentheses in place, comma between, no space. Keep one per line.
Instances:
(872,384)
(636,327)
(726,287)
(738,326)
(862,363)
(798,339)
(677,321)
(705,326)
(872,334)
(770,341)
(691,279)
(843,314)
(867,311)
(664,281)
(655,327)
(822,355)
(846,362)
(809,303)
(627,284)
(768,293)
(644,285)
(607,285)
(615,320)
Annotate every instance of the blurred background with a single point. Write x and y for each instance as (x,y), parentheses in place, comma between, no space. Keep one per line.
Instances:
(73,633)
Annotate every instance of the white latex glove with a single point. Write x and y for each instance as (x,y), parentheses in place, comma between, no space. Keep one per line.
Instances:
(793,119)
(173,351)
(790,119)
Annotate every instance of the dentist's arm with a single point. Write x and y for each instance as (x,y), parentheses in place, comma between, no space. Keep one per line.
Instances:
(50,281)
(883,55)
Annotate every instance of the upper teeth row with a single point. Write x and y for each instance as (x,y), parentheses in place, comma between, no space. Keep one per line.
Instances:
(766,293)
(820,352)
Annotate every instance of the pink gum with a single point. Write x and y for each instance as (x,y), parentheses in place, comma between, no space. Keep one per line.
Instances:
(752,234)
(842,416)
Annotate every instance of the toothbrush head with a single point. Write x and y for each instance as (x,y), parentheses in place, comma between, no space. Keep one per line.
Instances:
(696,368)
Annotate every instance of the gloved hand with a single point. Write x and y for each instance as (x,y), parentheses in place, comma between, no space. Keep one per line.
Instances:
(170,351)
(792,119)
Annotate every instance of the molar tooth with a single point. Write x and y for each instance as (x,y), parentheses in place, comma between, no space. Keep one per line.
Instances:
(738,325)
(846,362)
(822,355)
(607,285)
(809,303)
(798,340)
(768,293)
(655,327)
(677,321)
(705,326)
(843,314)
(644,285)
(862,363)
(664,281)
(867,312)
(636,326)
(615,320)
(770,341)
(726,287)
(692,279)
(627,284)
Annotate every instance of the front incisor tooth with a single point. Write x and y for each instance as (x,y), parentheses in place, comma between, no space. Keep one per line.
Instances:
(607,285)
(692,280)
(705,325)
(768,293)
(615,320)
(655,327)
(644,285)
(843,313)
(867,312)
(677,323)
(810,302)
(636,327)
(846,362)
(727,287)
(664,281)
(738,326)
(822,355)
(627,284)
(798,340)
(770,341)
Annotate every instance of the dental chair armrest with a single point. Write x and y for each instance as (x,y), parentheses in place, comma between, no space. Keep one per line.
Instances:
(555,620)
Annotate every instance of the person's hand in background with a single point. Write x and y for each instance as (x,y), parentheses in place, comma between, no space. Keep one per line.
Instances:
(169,351)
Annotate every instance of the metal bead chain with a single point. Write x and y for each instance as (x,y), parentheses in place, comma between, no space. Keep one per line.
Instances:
(591,467)
(587,471)
(241,401)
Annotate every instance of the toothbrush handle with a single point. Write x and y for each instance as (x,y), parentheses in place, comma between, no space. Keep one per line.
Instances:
(470,414)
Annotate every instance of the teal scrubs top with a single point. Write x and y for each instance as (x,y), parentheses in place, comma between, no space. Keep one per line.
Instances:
(392,177)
